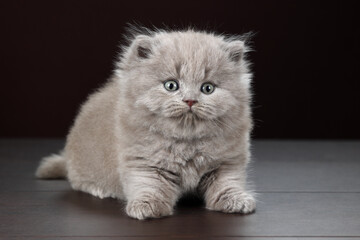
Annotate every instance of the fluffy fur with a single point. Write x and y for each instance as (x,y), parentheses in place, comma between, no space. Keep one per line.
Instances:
(136,141)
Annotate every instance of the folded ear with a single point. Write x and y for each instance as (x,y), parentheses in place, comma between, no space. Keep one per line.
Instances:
(235,50)
(141,48)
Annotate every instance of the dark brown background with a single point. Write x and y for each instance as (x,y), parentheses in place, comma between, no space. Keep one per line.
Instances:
(306,63)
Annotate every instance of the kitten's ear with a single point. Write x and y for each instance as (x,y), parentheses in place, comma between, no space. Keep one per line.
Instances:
(235,50)
(142,47)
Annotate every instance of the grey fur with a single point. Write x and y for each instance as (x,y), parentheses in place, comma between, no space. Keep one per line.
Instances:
(135,141)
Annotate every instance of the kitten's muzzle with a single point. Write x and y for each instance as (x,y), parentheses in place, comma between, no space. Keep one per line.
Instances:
(190,102)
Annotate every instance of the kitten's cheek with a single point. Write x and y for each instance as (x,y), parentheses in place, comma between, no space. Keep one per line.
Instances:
(147,104)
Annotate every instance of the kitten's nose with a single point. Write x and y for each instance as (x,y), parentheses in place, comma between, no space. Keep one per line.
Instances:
(190,102)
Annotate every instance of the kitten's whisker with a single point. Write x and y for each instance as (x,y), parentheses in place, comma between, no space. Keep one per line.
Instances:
(206,111)
(223,123)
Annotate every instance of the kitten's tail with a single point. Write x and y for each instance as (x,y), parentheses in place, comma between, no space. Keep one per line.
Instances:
(53,166)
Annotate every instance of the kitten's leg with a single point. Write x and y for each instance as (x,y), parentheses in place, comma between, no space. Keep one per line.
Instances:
(224,190)
(151,192)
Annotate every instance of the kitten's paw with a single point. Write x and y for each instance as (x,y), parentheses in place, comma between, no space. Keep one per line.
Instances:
(148,208)
(234,203)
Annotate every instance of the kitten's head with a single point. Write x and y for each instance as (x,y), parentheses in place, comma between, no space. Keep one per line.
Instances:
(186,84)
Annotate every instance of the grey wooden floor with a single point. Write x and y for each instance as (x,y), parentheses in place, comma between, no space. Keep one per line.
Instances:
(306,190)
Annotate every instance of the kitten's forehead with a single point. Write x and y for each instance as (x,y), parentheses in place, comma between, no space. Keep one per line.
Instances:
(191,54)
(191,46)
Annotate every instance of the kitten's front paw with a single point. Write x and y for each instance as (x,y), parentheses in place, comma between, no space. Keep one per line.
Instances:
(148,208)
(233,203)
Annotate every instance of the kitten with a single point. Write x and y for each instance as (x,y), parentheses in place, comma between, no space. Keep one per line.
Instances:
(174,118)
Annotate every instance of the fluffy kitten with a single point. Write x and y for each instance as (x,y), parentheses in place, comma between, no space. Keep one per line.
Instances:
(174,118)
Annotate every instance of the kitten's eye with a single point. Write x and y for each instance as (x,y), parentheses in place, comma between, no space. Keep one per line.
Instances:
(171,85)
(208,88)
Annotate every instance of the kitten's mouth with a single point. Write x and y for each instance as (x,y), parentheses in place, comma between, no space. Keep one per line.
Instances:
(185,113)
(191,114)
(191,111)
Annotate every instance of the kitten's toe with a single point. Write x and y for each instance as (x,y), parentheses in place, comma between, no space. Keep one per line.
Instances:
(148,208)
(234,203)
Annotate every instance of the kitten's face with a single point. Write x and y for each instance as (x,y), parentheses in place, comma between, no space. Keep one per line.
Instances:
(185,83)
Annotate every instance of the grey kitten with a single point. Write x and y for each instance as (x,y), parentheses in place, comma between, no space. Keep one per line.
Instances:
(174,118)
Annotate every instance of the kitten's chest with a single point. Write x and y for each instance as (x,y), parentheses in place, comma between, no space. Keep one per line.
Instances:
(190,162)
(192,172)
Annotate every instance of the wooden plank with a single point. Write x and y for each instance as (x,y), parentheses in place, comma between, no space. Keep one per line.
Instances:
(306,166)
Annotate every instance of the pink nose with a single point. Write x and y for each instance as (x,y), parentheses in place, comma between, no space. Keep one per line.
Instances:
(190,102)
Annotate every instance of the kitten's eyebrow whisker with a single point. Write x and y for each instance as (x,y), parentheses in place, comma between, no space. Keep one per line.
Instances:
(178,69)
(206,72)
